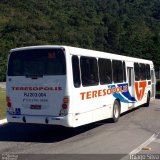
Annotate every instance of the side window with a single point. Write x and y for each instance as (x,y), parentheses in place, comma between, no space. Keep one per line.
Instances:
(142,71)
(89,71)
(136,71)
(148,73)
(76,71)
(105,71)
(124,71)
(117,71)
(129,72)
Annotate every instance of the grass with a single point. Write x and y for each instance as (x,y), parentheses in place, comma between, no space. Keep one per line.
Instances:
(2,103)
(157,92)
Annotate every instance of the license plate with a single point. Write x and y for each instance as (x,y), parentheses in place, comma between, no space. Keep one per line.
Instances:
(35,106)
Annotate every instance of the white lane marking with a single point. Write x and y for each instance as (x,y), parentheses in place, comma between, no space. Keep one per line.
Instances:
(145,144)
(3,121)
(157,141)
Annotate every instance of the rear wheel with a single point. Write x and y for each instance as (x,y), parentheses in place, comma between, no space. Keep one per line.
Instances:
(148,100)
(116,111)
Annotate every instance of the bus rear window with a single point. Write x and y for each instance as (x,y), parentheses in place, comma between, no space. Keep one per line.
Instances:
(37,62)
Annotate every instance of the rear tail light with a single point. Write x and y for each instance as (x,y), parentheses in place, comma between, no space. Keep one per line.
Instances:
(65,100)
(65,104)
(8,100)
(9,104)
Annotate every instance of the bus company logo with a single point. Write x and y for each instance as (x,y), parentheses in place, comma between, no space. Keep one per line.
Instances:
(140,89)
(124,97)
(112,89)
(56,88)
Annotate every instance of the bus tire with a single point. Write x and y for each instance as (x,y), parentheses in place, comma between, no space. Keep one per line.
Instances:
(116,111)
(148,100)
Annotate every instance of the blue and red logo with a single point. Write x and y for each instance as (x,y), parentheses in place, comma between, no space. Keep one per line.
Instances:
(125,96)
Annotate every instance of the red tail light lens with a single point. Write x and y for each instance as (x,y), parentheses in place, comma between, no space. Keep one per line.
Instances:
(8,99)
(64,106)
(9,104)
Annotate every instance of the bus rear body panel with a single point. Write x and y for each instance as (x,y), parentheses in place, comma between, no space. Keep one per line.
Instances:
(37,97)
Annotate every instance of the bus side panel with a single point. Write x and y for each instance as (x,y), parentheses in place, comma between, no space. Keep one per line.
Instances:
(102,113)
(87,108)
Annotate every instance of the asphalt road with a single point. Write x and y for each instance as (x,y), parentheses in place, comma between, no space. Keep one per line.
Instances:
(131,131)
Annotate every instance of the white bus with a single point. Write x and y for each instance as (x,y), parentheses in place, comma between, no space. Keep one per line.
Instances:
(62,85)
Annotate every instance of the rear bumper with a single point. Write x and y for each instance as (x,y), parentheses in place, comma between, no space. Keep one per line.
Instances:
(36,119)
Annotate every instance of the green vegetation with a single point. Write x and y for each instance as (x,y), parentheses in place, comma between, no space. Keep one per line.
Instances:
(128,27)
(158,92)
(2,103)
